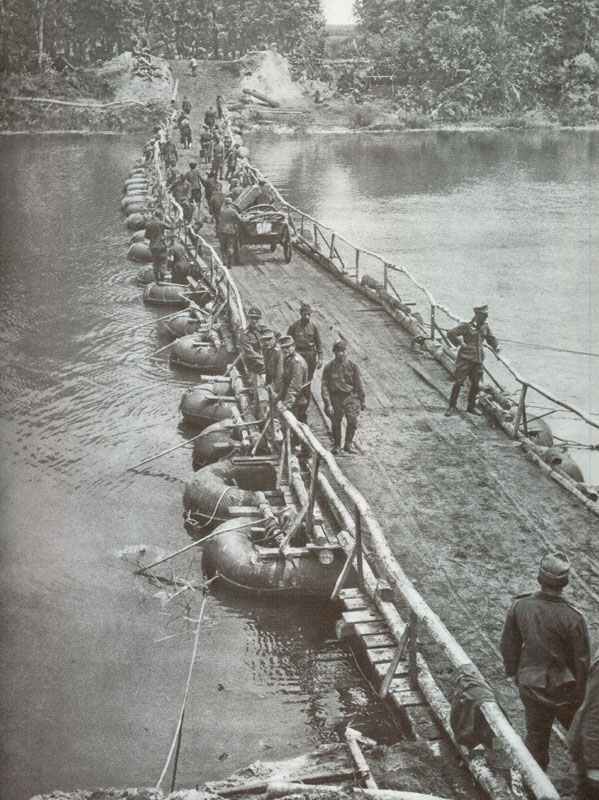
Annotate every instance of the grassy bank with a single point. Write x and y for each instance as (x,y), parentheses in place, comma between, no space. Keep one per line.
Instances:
(108,98)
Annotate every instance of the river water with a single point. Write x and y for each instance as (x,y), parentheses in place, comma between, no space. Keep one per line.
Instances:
(500,217)
(90,682)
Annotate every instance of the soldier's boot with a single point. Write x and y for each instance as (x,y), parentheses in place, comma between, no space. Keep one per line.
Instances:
(349,439)
(453,399)
(471,408)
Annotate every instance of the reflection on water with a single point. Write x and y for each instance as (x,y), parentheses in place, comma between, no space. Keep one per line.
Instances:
(90,685)
(507,218)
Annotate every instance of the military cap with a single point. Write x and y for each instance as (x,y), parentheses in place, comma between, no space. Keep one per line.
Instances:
(193,164)
(554,569)
(484,309)
(305,307)
(286,341)
(267,334)
(339,346)
(254,312)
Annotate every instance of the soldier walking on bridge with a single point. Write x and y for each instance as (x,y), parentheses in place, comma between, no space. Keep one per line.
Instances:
(343,396)
(296,385)
(306,336)
(274,361)
(470,338)
(545,647)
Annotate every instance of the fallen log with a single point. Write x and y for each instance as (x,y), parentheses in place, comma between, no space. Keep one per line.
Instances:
(265,99)
(282,788)
(76,103)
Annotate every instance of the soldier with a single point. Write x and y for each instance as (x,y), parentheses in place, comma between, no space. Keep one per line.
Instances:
(306,336)
(296,385)
(218,157)
(545,647)
(583,737)
(343,396)
(155,231)
(273,361)
(249,343)
(469,361)
(227,228)
(195,181)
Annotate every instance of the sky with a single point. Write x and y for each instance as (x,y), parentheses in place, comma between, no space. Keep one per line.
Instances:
(338,12)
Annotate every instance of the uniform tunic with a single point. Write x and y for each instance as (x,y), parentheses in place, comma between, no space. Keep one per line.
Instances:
(274,364)
(470,355)
(343,390)
(296,386)
(583,736)
(342,378)
(545,645)
(307,342)
(251,349)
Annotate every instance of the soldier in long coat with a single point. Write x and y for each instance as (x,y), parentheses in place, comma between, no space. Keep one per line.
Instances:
(545,648)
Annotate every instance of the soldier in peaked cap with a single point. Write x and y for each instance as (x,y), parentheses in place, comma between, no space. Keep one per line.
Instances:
(274,361)
(343,396)
(249,342)
(306,336)
(295,391)
(470,338)
(545,648)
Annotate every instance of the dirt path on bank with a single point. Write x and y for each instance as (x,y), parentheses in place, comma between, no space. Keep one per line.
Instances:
(467,516)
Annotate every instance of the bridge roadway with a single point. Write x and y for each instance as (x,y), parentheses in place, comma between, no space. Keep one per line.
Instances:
(467,516)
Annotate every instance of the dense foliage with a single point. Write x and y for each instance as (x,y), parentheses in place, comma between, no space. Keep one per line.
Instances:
(88,30)
(457,57)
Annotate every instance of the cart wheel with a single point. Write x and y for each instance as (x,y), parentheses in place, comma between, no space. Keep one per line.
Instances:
(273,247)
(287,249)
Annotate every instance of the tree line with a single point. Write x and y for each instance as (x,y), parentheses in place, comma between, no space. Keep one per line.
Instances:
(34,31)
(453,57)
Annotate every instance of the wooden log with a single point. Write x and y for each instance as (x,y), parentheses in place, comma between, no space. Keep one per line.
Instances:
(265,99)
(352,738)
(283,788)
(479,769)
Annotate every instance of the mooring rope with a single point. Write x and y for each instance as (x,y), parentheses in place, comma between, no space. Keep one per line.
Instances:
(187,687)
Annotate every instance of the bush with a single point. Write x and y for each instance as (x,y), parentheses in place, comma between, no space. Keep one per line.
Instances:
(361,116)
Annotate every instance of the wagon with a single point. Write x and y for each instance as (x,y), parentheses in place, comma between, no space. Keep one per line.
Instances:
(264,225)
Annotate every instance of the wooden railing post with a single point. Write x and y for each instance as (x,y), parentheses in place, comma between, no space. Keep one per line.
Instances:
(312,494)
(357,266)
(332,247)
(521,411)
(302,225)
(359,553)
(385,276)
(432,322)
(413,650)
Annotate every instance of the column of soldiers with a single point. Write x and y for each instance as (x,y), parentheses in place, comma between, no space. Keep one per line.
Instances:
(286,366)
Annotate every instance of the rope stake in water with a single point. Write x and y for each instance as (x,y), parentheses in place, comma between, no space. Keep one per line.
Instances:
(165,452)
(176,742)
(198,543)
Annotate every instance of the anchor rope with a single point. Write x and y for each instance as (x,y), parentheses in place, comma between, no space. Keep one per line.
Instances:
(187,688)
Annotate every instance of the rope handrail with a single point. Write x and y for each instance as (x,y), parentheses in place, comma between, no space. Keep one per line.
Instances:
(536,779)
(433,302)
(234,291)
